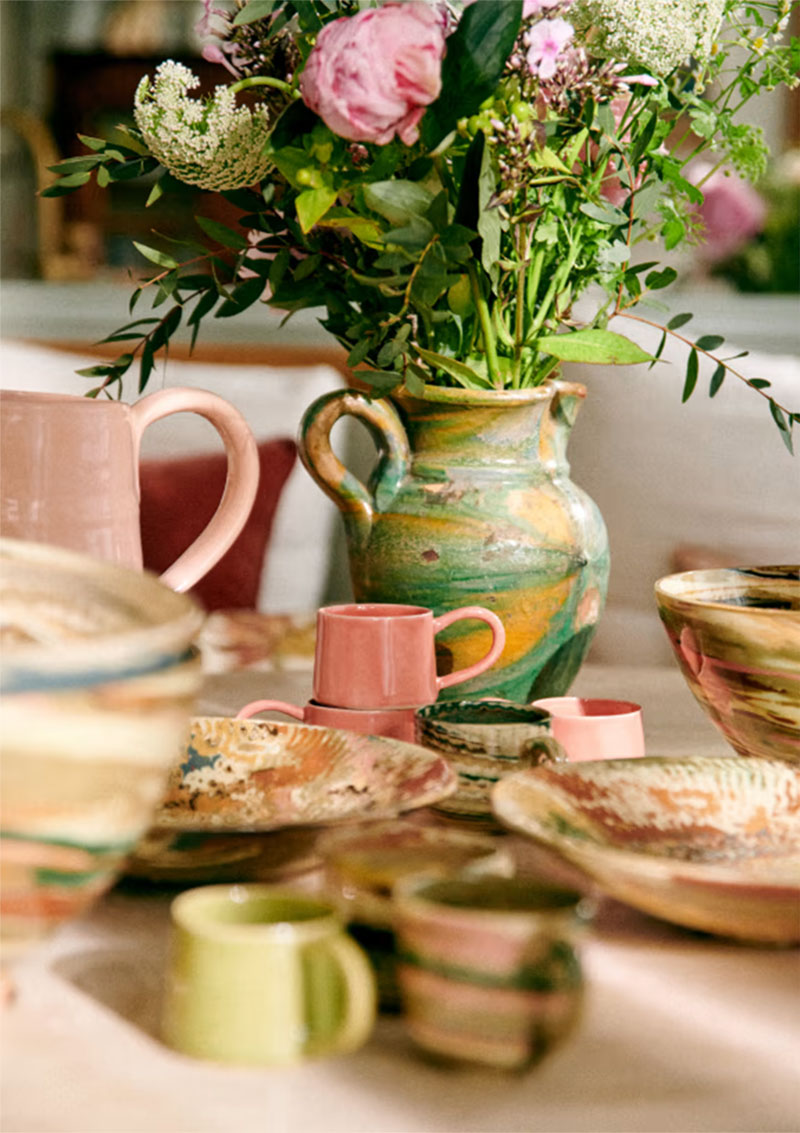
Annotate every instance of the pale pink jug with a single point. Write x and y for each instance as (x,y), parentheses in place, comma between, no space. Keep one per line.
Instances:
(69,475)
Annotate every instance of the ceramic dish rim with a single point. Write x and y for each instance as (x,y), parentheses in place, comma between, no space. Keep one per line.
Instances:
(449,780)
(102,655)
(667,596)
(644,864)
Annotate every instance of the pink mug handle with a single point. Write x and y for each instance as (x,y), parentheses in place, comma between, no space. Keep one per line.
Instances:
(241,484)
(270,706)
(498,642)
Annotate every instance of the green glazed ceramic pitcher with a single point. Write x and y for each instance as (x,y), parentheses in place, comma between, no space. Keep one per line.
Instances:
(470,502)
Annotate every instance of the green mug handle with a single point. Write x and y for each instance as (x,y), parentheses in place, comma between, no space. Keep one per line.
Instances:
(355,500)
(542,750)
(360,998)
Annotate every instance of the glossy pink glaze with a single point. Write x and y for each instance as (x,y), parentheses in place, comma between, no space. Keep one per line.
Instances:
(396,723)
(382,655)
(595,728)
(69,475)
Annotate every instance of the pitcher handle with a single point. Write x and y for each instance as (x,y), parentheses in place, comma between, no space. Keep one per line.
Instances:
(241,483)
(256,706)
(497,647)
(356,502)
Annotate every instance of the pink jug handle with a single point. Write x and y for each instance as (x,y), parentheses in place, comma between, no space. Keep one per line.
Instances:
(269,706)
(241,484)
(498,642)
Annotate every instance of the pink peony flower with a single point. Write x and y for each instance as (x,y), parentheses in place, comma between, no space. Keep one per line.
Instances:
(546,40)
(732,212)
(372,75)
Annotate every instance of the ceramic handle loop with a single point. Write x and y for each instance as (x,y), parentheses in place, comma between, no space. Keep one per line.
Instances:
(498,642)
(360,998)
(353,498)
(256,706)
(241,483)
(543,750)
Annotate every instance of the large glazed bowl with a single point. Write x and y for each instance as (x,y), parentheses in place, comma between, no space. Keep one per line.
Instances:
(736,635)
(711,843)
(97,680)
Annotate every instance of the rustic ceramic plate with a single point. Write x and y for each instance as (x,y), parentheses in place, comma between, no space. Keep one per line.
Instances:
(709,843)
(259,775)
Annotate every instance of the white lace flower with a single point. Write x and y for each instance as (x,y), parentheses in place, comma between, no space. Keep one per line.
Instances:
(657,35)
(212,143)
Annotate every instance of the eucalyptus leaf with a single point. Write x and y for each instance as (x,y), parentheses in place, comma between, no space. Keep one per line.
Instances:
(679,321)
(658,279)
(223,235)
(709,341)
(691,375)
(717,378)
(155,257)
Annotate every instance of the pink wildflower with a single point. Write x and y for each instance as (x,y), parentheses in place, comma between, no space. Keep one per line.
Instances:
(546,41)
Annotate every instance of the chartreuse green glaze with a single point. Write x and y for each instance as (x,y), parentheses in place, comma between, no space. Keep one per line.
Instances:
(470,503)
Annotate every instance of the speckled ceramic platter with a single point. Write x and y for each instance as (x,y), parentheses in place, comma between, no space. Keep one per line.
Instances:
(709,843)
(258,775)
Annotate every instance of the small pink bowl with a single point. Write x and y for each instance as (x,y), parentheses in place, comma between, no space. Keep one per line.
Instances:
(593,728)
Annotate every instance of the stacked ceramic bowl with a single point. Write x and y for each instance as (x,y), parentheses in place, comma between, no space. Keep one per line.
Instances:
(97,681)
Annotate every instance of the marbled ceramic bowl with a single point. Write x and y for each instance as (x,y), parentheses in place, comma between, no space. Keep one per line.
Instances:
(736,635)
(97,680)
(711,843)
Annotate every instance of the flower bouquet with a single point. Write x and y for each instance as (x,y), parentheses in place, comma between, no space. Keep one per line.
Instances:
(445,180)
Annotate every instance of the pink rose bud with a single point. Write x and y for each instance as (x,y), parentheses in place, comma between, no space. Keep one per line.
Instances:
(372,75)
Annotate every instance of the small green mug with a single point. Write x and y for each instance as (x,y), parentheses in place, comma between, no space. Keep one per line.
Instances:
(263,976)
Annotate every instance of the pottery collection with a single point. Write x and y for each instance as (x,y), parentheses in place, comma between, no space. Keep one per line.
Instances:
(470,502)
(439,695)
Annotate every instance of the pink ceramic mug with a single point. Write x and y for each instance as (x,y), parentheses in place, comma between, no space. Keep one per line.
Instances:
(595,728)
(382,655)
(396,723)
(69,475)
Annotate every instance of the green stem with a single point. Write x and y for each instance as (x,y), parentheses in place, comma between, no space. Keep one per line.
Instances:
(535,275)
(523,251)
(264,81)
(556,283)
(482,307)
